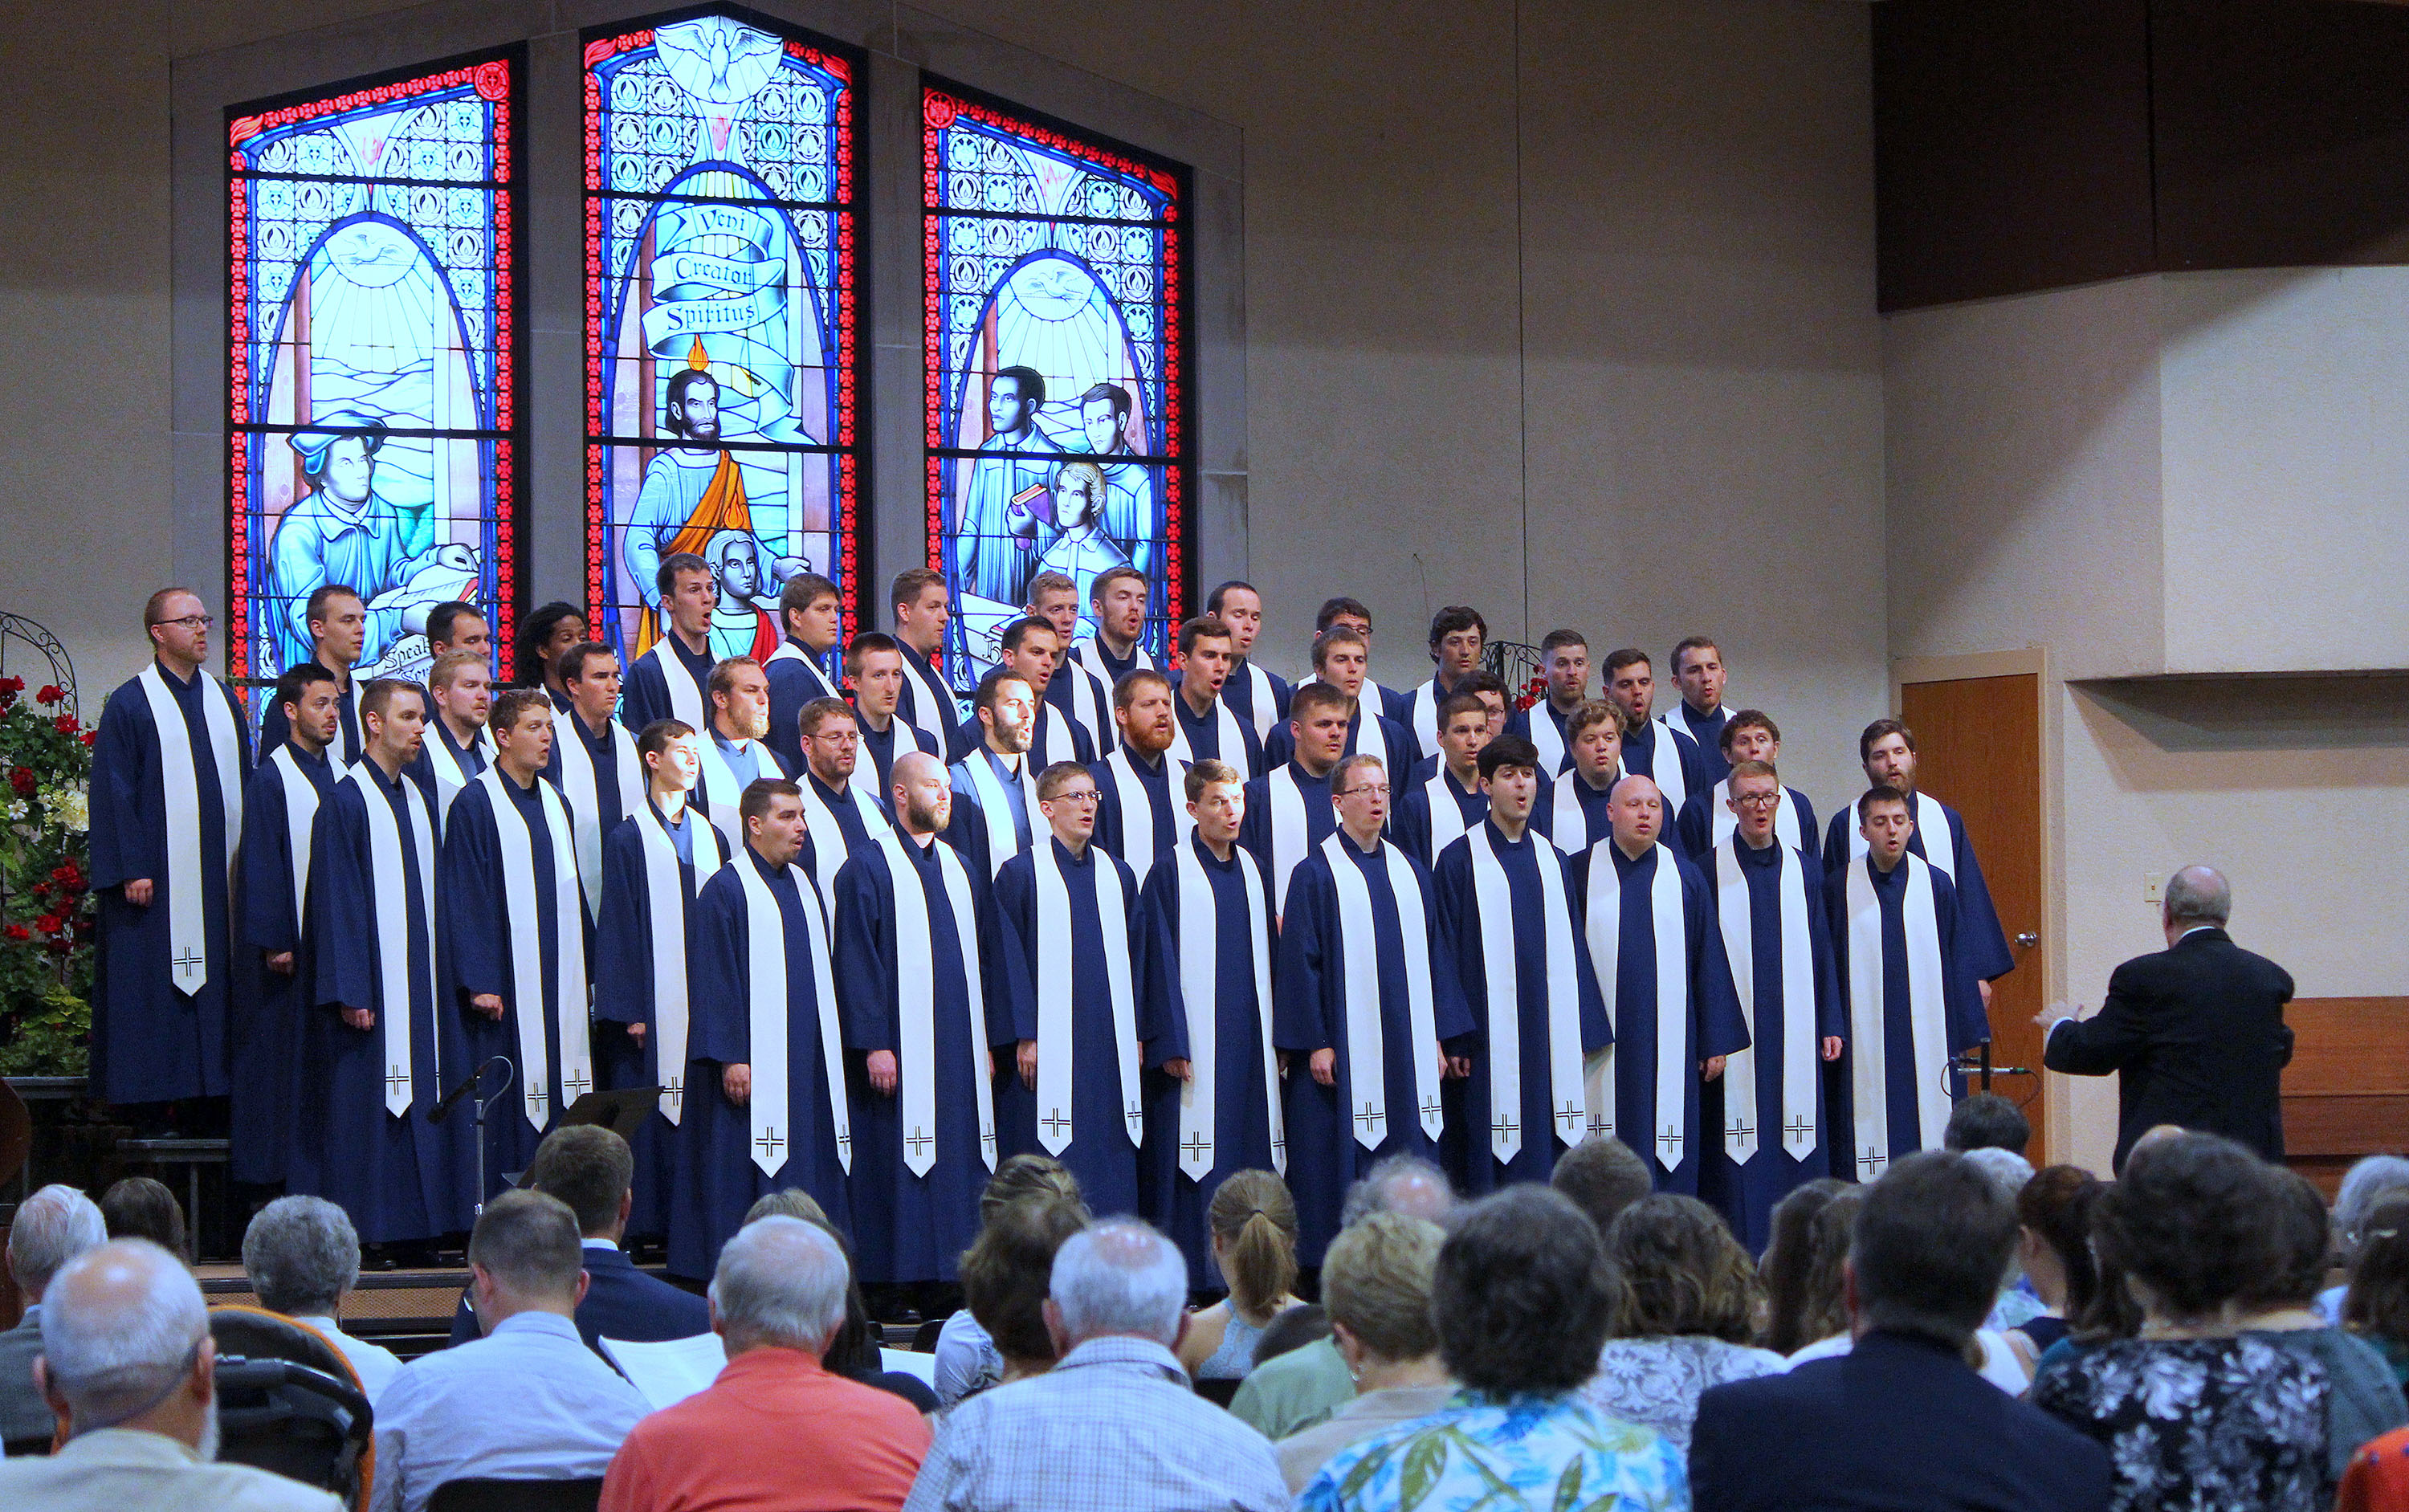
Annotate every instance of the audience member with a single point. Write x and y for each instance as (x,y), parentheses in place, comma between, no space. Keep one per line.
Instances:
(2378,1308)
(1306,1385)
(1376,1281)
(2194,1413)
(1789,1256)
(1252,1226)
(2378,1478)
(2053,1250)
(968,1361)
(787,1202)
(1900,1422)
(591,1169)
(1005,1274)
(1293,1329)
(2007,1172)
(302,1257)
(51,1228)
(2370,1181)
(1519,1299)
(140,1208)
(1824,1320)
(777,1429)
(528,1401)
(1686,1301)
(1987,1121)
(1115,1423)
(1602,1175)
(127,1361)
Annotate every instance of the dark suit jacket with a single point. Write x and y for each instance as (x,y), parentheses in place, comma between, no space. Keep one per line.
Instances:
(2198,1033)
(621,1303)
(23,1414)
(1898,1424)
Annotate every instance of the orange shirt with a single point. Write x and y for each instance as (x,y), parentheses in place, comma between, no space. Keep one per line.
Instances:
(775,1432)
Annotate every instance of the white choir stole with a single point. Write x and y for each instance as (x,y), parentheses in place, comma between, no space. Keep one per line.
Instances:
(1869,1013)
(1291,832)
(995,809)
(1549,738)
(1367,1080)
(1669,936)
(1055,970)
(1228,735)
(721,793)
(1263,701)
(767,1108)
(390,881)
(686,701)
(579,785)
(1143,840)
(1493,895)
(1931,828)
(179,791)
(540,1079)
(1797,1048)
(449,775)
(916,1001)
(1199,990)
(1568,821)
(666,904)
(829,853)
(1446,814)
(932,703)
(1665,770)
(300,824)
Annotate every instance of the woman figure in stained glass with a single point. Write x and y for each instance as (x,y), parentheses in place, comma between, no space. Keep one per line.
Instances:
(1083,549)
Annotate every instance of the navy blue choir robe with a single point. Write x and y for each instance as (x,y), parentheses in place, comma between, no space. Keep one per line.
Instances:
(1642,752)
(1746,1193)
(1706,822)
(794,681)
(1409,822)
(470,762)
(150,1041)
(966,830)
(1058,738)
(1981,940)
(852,830)
(1163,780)
(1598,816)
(602,749)
(1080,696)
(1964,1024)
(1170,1198)
(1520,722)
(348,745)
(623,994)
(881,747)
(1373,735)
(1714,1027)
(1471,1105)
(907,1227)
(1706,732)
(266,1037)
(478,953)
(646,696)
(1100,1153)
(721,1180)
(927,700)
(399,1177)
(1416,709)
(1255,830)
(1308,989)
(1264,714)
(1203,733)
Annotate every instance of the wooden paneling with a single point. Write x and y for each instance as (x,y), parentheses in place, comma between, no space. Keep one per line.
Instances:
(2346,1091)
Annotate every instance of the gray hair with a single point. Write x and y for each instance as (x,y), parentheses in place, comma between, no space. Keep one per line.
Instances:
(1120,1276)
(301,1255)
(2368,1181)
(120,1323)
(2005,1169)
(52,1227)
(781,1281)
(2199,894)
(1406,1184)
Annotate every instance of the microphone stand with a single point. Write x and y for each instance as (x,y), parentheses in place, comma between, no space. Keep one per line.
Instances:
(467,1089)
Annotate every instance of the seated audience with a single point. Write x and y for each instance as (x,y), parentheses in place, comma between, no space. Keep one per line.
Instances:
(1305,1323)
(2378,1308)
(1252,1224)
(1987,1121)
(1519,1299)
(1602,1175)
(856,1351)
(128,1361)
(1824,1319)
(1686,1301)
(968,1361)
(776,1429)
(2194,1412)
(2369,1182)
(139,1208)
(2009,1171)
(1900,1422)
(1006,1276)
(51,1228)
(591,1169)
(1789,1254)
(1115,1423)
(530,1401)
(2053,1250)
(302,1257)
(1376,1281)
(1306,1385)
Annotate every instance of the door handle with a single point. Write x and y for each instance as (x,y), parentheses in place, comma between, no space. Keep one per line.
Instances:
(2028,939)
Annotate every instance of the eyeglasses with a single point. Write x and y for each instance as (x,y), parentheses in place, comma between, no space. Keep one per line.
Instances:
(1085,795)
(1756,801)
(190,622)
(1379,789)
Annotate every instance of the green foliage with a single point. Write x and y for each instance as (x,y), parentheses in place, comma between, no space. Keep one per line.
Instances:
(46,912)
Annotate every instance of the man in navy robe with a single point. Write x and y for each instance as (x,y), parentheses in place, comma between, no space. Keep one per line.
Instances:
(642,993)
(593,763)
(1073,693)
(1708,819)
(1213,1054)
(1258,694)
(1351,614)
(456,624)
(278,811)
(338,628)
(1141,770)
(874,663)
(994,807)
(1116,599)
(734,1151)
(1341,1120)
(1579,811)
(919,962)
(667,680)
(1341,657)
(798,671)
(1622,919)
(1032,651)
(923,609)
(383,1043)
(1699,712)
(165,970)
(1503,887)
(1458,636)
(1288,809)
(487,940)
(1089,1114)
(458,745)
(1917,1011)
(1564,661)
(1448,800)
(1774,933)
(735,753)
(1209,728)
(1652,748)
(839,810)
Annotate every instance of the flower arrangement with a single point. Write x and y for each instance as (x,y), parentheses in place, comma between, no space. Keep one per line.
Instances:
(46,916)
(1532,691)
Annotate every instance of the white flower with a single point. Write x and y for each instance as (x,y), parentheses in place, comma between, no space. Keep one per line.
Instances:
(15,811)
(73,808)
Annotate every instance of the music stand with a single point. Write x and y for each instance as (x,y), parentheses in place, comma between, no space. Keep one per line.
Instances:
(621,1112)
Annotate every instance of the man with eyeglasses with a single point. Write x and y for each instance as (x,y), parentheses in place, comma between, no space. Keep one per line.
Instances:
(170,765)
(1366,1001)
(1066,909)
(840,813)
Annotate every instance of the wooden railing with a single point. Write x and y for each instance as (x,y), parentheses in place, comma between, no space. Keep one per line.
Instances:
(2346,1091)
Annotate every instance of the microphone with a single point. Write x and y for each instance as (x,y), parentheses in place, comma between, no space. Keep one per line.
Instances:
(443,1110)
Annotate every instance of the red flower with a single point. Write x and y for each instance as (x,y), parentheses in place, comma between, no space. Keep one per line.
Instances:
(86,737)
(23,780)
(17,931)
(52,693)
(60,945)
(66,723)
(41,889)
(12,684)
(48,923)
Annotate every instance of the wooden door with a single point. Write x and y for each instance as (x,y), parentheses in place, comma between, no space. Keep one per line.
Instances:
(1978,750)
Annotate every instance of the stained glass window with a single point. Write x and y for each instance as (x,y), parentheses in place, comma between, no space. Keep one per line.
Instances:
(373,420)
(1057,364)
(720,379)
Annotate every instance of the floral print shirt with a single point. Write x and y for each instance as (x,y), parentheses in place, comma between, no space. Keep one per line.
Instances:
(2198,1425)
(1539,1452)
(1656,1382)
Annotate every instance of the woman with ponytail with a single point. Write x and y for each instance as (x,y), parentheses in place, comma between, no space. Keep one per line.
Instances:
(1253,1222)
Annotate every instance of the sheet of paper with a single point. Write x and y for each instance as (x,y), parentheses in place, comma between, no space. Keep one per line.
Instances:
(669,1372)
(922,1366)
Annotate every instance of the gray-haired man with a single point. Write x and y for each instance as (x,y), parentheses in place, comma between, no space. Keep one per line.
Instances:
(52,1227)
(302,1256)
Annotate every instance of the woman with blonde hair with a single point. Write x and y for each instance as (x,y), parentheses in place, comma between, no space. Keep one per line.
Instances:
(1253,1223)
(1376,1284)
